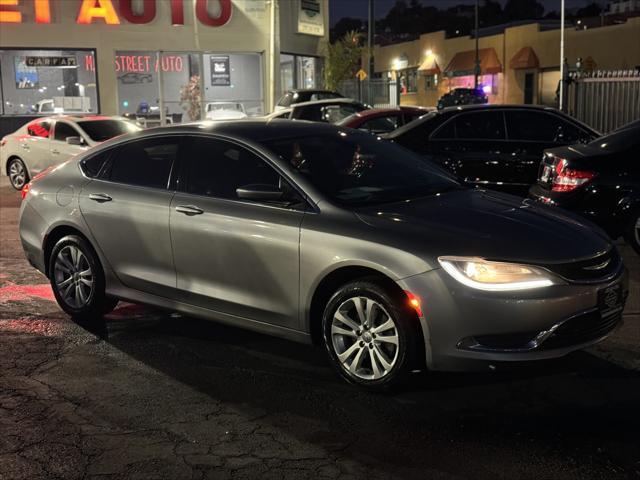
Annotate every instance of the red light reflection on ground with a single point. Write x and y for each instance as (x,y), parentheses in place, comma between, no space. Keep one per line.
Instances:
(21,293)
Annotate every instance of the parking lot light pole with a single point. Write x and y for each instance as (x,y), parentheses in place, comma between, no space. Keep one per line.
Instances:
(562,72)
(476,69)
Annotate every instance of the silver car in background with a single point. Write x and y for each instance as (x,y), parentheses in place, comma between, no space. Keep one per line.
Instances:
(323,235)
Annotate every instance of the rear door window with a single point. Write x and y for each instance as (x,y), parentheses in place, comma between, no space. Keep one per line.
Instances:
(62,130)
(144,163)
(480,126)
(39,129)
(541,127)
(381,124)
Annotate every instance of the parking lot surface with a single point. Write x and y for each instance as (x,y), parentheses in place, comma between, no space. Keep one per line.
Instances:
(149,394)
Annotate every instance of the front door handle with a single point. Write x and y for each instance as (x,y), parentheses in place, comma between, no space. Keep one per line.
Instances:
(55,152)
(100,197)
(24,146)
(189,210)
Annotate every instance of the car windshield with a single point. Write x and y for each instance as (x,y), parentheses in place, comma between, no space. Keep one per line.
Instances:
(621,139)
(101,130)
(357,169)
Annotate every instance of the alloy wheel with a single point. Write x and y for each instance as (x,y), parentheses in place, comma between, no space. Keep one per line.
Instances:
(365,338)
(17,174)
(73,277)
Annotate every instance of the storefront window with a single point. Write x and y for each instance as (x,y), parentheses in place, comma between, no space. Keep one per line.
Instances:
(408,80)
(287,75)
(298,71)
(48,81)
(194,86)
(488,83)
(431,82)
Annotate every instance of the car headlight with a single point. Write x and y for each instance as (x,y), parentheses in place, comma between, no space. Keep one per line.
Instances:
(496,276)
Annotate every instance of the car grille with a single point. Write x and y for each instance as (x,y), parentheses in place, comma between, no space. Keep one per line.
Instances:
(591,270)
(583,328)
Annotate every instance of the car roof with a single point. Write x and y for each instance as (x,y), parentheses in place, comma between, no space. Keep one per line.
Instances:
(374,112)
(448,111)
(249,129)
(77,118)
(311,90)
(332,101)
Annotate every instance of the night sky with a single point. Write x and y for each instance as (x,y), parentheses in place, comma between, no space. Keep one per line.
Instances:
(358,8)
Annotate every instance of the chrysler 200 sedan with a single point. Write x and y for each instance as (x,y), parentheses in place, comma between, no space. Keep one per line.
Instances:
(324,235)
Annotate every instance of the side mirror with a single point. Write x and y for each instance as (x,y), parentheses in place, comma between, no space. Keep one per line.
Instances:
(260,192)
(75,141)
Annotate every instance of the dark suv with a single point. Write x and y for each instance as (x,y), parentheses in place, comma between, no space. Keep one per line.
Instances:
(495,146)
(462,96)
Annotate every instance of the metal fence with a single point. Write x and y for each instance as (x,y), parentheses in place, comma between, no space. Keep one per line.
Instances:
(378,92)
(605,100)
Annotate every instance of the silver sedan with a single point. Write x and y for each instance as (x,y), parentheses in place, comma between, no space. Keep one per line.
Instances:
(322,235)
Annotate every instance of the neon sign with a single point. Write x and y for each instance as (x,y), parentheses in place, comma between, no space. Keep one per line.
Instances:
(104,11)
(144,63)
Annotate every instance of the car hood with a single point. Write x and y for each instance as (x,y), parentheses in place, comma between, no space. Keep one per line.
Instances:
(487,224)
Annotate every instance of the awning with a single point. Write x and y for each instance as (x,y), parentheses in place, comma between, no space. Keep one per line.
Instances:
(525,58)
(429,66)
(463,63)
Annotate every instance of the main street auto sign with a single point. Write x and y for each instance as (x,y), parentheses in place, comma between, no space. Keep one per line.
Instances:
(60,62)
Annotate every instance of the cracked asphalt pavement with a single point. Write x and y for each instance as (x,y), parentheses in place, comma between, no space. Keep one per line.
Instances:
(150,394)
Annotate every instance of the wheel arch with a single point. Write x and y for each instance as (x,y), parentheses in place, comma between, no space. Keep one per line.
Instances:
(14,156)
(56,233)
(328,285)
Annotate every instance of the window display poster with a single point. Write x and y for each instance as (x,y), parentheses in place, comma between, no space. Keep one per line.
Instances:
(220,71)
(26,77)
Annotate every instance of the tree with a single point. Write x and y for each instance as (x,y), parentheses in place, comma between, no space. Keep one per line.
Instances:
(345,25)
(523,10)
(342,59)
(591,10)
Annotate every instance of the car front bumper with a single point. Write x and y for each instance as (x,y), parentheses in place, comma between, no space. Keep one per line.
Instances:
(468,329)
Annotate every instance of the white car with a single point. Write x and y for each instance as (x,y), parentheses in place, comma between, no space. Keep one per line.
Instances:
(49,141)
(225,111)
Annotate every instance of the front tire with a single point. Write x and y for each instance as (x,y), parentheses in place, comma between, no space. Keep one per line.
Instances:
(77,279)
(370,334)
(632,235)
(18,174)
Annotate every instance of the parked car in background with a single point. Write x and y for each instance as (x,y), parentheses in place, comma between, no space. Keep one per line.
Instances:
(322,234)
(134,77)
(599,180)
(462,96)
(328,111)
(292,97)
(493,146)
(383,120)
(225,111)
(52,140)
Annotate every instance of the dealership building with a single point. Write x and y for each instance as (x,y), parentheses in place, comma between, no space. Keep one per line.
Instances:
(162,60)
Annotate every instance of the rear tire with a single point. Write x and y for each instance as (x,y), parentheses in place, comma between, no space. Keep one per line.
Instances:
(18,173)
(77,279)
(632,235)
(370,334)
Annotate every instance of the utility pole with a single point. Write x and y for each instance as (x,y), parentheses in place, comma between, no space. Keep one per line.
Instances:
(370,40)
(476,70)
(562,72)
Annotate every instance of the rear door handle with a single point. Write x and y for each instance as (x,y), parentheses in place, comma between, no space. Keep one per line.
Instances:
(55,152)
(100,197)
(189,210)
(25,146)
